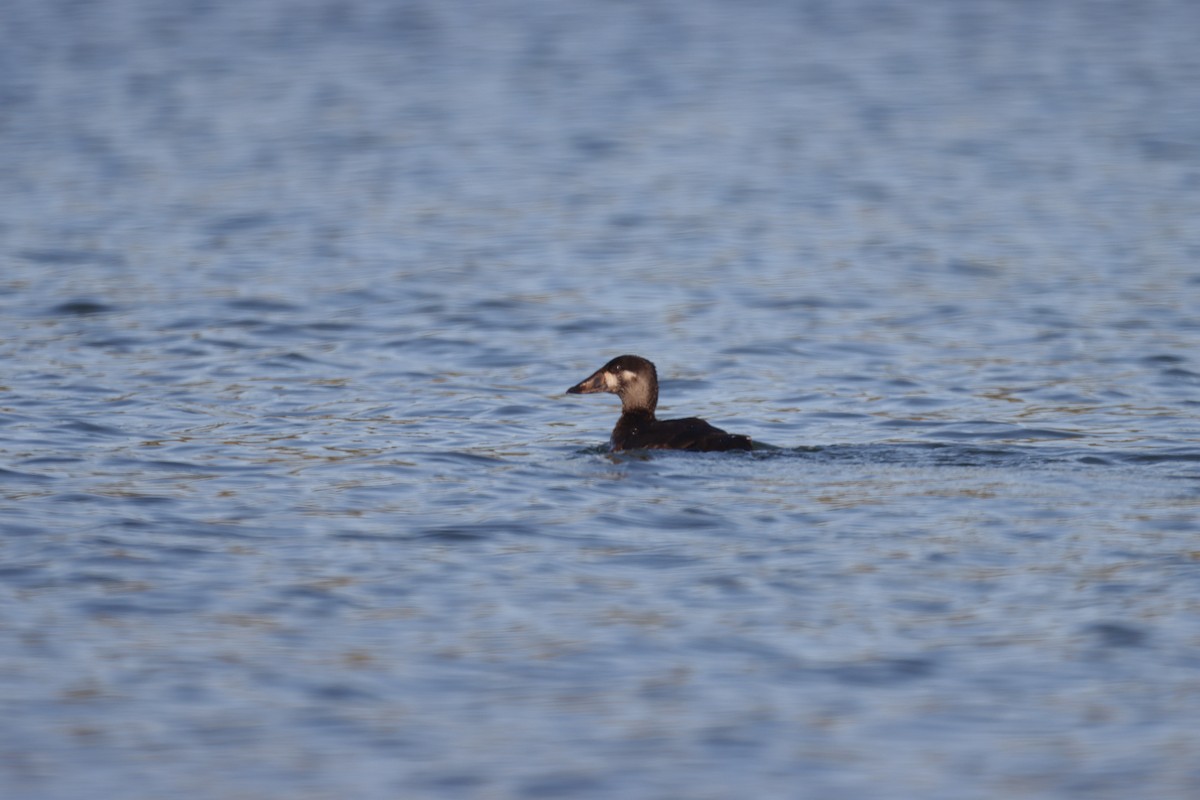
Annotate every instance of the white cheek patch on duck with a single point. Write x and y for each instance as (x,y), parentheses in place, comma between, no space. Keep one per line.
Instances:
(611,383)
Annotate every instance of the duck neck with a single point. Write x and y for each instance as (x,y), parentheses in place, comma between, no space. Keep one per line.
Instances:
(639,401)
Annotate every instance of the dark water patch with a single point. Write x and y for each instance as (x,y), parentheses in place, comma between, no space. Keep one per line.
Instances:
(800,399)
(364,536)
(503,304)
(451,783)
(120,344)
(326,594)
(190,323)
(882,672)
(19,529)
(90,388)
(651,559)
(342,693)
(511,411)
(802,302)
(836,415)
(241,523)
(456,533)
(226,344)
(81,308)
(150,500)
(462,458)
(333,327)
(1176,150)
(922,454)
(1066,398)
(635,457)
(984,429)
(1187,454)
(565,783)
(1181,375)
(152,549)
(70,257)
(872,349)
(1117,634)
(238,223)
(85,497)
(211,465)
(595,147)
(854,379)
(630,220)
(10,476)
(686,519)
(26,576)
(974,269)
(92,429)
(263,304)
(148,606)
(605,450)
(289,361)
(1162,359)
(776,658)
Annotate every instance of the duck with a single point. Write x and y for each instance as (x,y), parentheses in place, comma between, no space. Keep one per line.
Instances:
(635,380)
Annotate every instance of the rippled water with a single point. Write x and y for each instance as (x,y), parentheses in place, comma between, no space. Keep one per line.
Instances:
(293,504)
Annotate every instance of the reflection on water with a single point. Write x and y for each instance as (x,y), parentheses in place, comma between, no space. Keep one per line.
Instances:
(293,506)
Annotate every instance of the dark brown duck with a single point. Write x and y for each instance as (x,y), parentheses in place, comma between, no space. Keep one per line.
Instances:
(635,381)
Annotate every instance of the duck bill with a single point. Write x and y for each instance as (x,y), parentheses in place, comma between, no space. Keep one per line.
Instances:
(592,383)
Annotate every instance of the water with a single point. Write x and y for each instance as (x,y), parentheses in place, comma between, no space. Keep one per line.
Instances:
(293,503)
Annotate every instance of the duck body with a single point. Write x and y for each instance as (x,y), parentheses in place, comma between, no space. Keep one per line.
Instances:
(635,380)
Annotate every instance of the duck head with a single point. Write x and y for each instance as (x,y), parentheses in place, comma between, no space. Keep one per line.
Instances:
(632,378)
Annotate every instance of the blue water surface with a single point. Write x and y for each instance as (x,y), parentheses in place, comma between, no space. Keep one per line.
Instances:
(293,504)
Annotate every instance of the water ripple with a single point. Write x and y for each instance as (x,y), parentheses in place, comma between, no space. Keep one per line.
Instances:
(293,504)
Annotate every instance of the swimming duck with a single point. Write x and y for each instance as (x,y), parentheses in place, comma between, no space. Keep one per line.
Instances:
(635,381)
